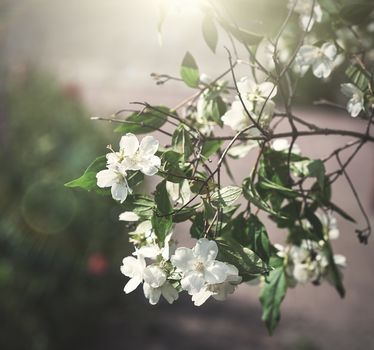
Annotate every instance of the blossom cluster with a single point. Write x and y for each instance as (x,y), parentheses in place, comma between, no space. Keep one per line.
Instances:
(309,261)
(169,270)
(132,155)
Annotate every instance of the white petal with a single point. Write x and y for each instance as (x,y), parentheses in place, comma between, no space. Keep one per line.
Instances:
(201,297)
(216,272)
(193,283)
(329,50)
(154,276)
(129,144)
(106,178)
(349,89)
(113,158)
(306,55)
(340,260)
(169,293)
(322,68)
(183,259)
(150,166)
(132,284)
(148,146)
(128,216)
(354,107)
(152,294)
(205,249)
(307,22)
(119,191)
(132,267)
(268,90)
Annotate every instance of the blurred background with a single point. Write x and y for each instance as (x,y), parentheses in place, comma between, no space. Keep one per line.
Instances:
(62,61)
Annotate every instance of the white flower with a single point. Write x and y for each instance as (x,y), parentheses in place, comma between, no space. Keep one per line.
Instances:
(133,268)
(199,267)
(140,156)
(356,102)
(257,102)
(114,177)
(128,216)
(308,14)
(329,224)
(219,291)
(282,145)
(155,285)
(251,92)
(321,59)
(237,118)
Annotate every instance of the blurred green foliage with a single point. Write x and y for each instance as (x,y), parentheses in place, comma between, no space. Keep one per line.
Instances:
(60,250)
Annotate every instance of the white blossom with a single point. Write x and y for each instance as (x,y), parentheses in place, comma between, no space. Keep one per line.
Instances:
(307,262)
(219,291)
(155,285)
(114,177)
(356,99)
(253,93)
(308,14)
(128,216)
(321,59)
(140,156)
(282,145)
(199,267)
(133,268)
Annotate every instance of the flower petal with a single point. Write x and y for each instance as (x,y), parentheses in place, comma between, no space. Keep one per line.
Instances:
(322,68)
(183,259)
(329,50)
(216,272)
(129,144)
(201,297)
(152,294)
(193,283)
(169,293)
(119,191)
(132,284)
(205,249)
(128,216)
(148,146)
(154,276)
(106,178)
(268,90)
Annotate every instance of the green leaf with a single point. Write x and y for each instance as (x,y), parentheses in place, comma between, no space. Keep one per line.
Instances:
(357,13)
(267,184)
(143,122)
(253,197)
(341,212)
(243,258)
(210,147)
(334,272)
(244,36)
(359,77)
(272,296)
(162,200)
(140,204)
(162,222)
(88,180)
(190,71)
(210,33)
(181,142)
(198,226)
(226,196)
(260,243)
